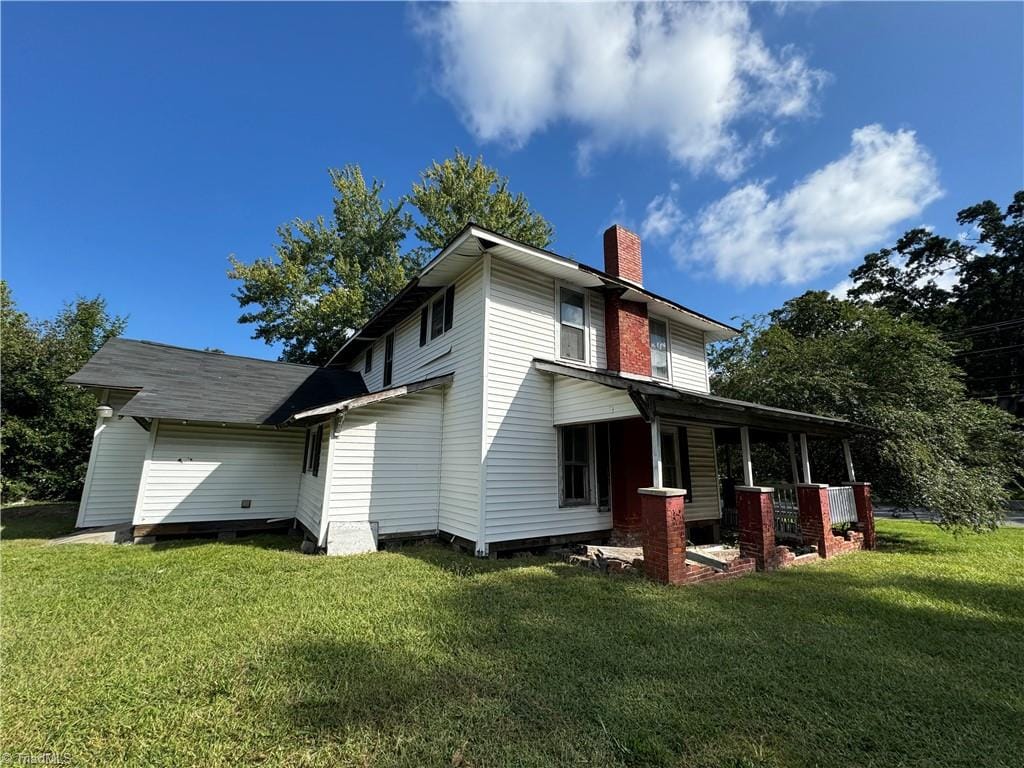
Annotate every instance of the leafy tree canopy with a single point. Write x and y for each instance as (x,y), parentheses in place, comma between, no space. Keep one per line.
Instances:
(461,190)
(933,447)
(328,278)
(47,425)
(982,314)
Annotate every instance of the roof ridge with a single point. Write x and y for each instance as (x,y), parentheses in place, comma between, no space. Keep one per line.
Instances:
(218,354)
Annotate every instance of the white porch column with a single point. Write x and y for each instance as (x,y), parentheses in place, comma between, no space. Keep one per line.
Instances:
(656,452)
(849,461)
(748,464)
(805,457)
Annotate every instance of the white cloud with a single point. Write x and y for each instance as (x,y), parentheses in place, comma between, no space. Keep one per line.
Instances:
(663,216)
(683,74)
(827,219)
(841,290)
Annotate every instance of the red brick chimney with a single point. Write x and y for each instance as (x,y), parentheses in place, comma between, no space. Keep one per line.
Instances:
(627,335)
(622,254)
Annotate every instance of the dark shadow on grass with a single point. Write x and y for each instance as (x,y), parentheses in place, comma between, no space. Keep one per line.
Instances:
(555,665)
(37,521)
(278,542)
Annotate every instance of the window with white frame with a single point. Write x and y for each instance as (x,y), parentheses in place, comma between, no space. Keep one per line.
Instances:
(675,460)
(311,450)
(437,316)
(575,466)
(659,348)
(572,316)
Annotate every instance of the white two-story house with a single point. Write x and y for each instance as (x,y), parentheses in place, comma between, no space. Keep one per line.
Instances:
(506,397)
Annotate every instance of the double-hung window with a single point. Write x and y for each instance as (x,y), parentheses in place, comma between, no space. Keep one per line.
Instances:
(572,318)
(311,450)
(675,460)
(575,459)
(438,316)
(659,348)
(389,358)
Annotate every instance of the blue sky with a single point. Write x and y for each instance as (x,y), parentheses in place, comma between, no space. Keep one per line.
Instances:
(760,151)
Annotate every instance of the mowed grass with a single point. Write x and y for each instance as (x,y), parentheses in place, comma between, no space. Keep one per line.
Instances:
(250,653)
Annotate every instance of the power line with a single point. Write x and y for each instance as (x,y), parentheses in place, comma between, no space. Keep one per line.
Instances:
(989,349)
(982,328)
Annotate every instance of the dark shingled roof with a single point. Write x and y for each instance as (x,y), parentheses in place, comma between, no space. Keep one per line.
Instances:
(179,383)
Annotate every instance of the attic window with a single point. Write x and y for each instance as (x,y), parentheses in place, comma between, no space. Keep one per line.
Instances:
(368,362)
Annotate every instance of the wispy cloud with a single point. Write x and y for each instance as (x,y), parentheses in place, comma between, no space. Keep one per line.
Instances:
(685,75)
(825,220)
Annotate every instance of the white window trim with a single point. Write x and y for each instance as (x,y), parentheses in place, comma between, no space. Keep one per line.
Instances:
(668,345)
(673,430)
(592,501)
(442,296)
(587,325)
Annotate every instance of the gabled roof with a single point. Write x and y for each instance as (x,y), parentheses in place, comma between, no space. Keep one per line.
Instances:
(187,384)
(470,244)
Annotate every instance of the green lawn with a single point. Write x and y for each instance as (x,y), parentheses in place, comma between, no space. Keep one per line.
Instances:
(204,653)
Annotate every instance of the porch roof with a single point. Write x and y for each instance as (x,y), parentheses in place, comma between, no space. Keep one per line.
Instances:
(651,397)
(323,412)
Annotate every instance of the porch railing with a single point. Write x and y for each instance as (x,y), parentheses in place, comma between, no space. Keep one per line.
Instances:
(787,516)
(841,505)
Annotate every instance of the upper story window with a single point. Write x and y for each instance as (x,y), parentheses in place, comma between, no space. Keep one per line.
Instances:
(659,348)
(438,317)
(368,360)
(389,358)
(572,324)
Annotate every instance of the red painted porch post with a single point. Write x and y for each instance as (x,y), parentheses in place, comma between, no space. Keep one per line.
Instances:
(756,519)
(815,517)
(865,512)
(664,534)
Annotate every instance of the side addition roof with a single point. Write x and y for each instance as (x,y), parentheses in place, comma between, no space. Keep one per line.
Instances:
(187,384)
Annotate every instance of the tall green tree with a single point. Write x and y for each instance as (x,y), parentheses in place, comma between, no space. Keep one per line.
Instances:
(461,190)
(982,313)
(47,425)
(327,278)
(930,444)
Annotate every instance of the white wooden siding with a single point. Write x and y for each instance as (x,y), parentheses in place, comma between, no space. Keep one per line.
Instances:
(459,351)
(311,487)
(200,472)
(703,473)
(689,365)
(598,349)
(581,402)
(387,465)
(521,442)
(115,466)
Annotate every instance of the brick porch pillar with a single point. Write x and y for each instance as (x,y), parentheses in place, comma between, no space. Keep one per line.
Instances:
(865,512)
(664,534)
(815,518)
(756,519)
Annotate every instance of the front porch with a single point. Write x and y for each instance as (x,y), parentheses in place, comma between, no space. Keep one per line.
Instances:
(652,480)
